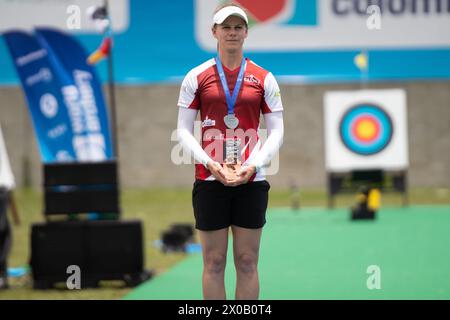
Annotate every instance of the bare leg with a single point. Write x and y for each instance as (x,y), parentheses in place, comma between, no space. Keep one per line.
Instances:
(214,248)
(246,252)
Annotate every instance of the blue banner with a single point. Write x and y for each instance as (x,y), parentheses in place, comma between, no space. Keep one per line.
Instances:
(63,95)
(299,41)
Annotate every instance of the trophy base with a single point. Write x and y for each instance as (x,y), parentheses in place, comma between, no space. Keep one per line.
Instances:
(231,170)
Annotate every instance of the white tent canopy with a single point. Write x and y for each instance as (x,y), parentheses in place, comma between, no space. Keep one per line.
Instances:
(6,175)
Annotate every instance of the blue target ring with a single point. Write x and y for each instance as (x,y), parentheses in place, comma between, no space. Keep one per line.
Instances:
(366,129)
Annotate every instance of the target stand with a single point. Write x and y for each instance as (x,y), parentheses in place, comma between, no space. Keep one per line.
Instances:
(351,182)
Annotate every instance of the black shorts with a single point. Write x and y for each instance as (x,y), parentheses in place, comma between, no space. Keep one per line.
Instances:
(217,206)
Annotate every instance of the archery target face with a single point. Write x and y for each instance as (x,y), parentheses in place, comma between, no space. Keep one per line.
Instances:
(365,129)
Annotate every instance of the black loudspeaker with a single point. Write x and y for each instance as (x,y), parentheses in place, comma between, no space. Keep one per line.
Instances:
(102,249)
(81,187)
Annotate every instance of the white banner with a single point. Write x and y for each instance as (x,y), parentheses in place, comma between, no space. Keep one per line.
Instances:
(335,24)
(365,129)
(68,15)
(6,175)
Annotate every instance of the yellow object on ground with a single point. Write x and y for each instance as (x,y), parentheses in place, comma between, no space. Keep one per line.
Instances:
(374,199)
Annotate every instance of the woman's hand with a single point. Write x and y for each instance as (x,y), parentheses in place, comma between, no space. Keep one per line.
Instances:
(243,175)
(217,171)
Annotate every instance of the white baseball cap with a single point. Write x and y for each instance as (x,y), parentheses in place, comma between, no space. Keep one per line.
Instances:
(225,12)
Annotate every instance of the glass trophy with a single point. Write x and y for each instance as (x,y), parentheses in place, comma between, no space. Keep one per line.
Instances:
(232,157)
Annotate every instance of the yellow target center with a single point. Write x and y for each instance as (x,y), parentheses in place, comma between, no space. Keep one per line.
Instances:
(366,129)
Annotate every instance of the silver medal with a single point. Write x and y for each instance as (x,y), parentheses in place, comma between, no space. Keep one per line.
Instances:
(231,121)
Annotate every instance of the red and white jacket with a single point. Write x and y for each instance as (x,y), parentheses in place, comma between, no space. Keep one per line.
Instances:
(202,90)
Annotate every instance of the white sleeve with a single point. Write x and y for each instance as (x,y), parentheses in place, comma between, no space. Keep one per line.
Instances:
(188,91)
(275,131)
(272,95)
(185,134)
